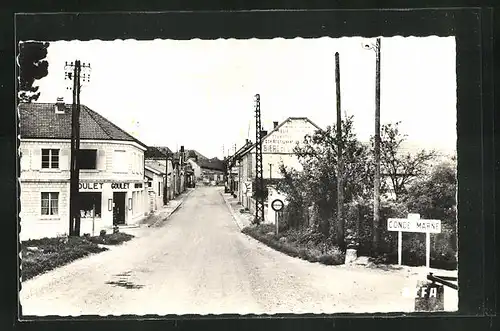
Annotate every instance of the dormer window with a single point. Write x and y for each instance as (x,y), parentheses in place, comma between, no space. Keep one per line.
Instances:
(60,106)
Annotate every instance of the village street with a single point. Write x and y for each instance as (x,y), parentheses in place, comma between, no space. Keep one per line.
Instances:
(199,262)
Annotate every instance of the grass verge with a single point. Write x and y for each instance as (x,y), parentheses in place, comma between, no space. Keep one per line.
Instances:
(42,255)
(292,246)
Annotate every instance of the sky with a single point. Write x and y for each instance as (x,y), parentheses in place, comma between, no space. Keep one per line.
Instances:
(199,93)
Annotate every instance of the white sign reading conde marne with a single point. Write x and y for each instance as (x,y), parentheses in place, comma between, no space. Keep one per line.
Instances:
(414,225)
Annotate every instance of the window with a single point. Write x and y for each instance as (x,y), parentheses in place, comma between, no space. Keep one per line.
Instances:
(88,202)
(50,159)
(120,161)
(159,188)
(50,203)
(87,159)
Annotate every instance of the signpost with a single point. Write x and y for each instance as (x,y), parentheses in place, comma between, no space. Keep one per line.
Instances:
(414,224)
(277,205)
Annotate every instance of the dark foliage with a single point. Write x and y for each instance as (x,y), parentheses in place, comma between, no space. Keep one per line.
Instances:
(42,255)
(296,244)
(32,66)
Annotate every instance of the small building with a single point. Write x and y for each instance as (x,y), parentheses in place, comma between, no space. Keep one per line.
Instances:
(155,174)
(112,189)
(164,157)
(212,171)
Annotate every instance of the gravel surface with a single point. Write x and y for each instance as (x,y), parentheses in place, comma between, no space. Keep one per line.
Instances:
(198,262)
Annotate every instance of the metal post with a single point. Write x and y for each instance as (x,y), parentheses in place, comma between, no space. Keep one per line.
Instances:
(427,250)
(93,219)
(340,186)
(400,248)
(276,221)
(259,181)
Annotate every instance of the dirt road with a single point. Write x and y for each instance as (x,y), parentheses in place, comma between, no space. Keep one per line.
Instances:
(200,263)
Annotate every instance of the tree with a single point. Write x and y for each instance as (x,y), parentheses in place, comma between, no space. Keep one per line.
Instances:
(401,168)
(434,197)
(32,66)
(316,184)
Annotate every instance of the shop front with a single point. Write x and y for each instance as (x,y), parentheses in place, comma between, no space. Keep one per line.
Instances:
(104,204)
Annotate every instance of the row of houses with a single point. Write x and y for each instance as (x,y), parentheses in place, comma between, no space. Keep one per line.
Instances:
(122,180)
(277,149)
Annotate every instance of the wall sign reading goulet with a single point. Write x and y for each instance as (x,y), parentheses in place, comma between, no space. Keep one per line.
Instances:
(277,205)
(90,186)
(119,186)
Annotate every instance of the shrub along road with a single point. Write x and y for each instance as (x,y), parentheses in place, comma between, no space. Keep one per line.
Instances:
(199,262)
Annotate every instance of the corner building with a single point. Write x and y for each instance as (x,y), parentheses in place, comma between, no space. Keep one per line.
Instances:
(112,188)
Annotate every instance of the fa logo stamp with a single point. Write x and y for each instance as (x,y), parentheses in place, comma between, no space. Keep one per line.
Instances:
(428,296)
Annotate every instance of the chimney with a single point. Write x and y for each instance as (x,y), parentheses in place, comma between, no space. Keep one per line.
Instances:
(275,125)
(60,106)
(263,133)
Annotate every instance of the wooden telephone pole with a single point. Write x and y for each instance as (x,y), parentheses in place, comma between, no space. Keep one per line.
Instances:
(74,222)
(376,200)
(340,174)
(376,182)
(74,72)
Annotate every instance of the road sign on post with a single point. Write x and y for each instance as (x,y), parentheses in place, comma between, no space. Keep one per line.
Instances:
(277,205)
(414,224)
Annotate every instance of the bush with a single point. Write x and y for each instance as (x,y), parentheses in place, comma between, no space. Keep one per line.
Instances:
(111,239)
(359,216)
(293,247)
(53,253)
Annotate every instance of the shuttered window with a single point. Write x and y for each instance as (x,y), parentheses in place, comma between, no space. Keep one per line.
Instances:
(120,161)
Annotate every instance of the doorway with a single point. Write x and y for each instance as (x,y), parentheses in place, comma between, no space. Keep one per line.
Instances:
(119,208)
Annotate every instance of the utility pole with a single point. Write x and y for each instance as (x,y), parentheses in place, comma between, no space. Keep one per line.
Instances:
(73,72)
(74,213)
(376,182)
(376,201)
(259,181)
(340,173)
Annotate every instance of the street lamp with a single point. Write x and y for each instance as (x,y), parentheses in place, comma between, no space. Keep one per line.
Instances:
(376,201)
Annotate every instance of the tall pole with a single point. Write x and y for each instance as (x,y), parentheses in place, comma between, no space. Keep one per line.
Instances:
(73,185)
(74,223)
(376,191)
(259,181)
(340,176)
(77,145)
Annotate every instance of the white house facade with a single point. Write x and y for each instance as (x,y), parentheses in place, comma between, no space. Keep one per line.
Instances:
(277,148)
(112,188)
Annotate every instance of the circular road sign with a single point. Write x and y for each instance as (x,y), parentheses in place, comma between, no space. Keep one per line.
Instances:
(277,205)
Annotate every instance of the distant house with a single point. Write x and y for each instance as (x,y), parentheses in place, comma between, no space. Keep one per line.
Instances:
(155,173)
(277,148)
(111,187)
(164,157)
(212,171)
